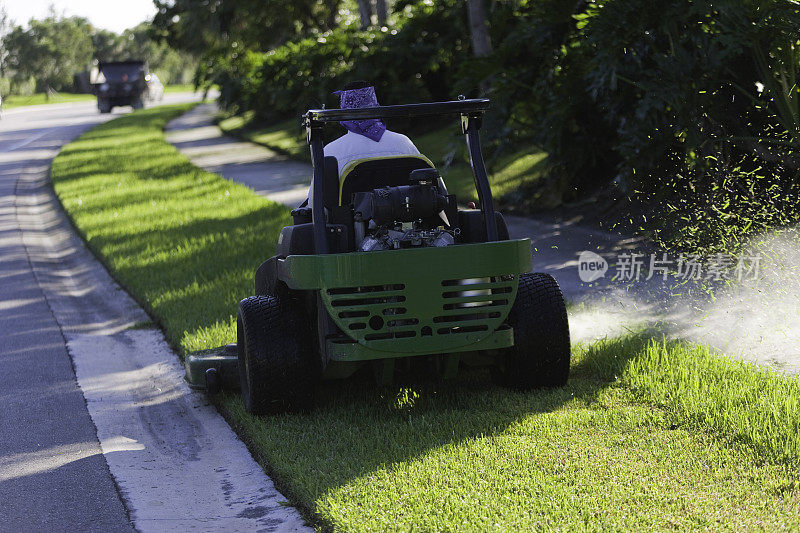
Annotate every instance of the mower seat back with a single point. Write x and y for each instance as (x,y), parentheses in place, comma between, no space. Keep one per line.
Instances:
(373,173)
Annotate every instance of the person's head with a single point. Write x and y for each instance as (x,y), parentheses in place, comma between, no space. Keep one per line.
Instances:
(355,95)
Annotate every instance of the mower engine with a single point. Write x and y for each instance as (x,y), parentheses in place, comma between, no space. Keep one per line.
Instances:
(388,239)
(404,216)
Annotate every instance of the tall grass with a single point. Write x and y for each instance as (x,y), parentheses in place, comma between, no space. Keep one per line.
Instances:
(748,403)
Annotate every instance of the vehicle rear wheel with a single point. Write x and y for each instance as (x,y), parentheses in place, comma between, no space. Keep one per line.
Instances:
(104,106)
(278,363)
(541,352)
(137,104)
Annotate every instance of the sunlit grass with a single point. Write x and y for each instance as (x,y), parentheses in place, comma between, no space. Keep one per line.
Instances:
(446,147)
(12,101)
(180,88)
(631,443)
(646,435)
(286,137)
(183,241)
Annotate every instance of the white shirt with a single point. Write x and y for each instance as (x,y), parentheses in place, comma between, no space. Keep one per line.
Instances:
(352,146)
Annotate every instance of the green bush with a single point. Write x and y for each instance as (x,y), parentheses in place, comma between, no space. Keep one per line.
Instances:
(689,112)
(416,62)
(694,135)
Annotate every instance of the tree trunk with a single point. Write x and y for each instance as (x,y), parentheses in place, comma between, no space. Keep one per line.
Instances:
(382,11)
(479,28)
(365,10)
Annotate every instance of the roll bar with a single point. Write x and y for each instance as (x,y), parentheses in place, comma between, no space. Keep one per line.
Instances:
(471,112)
(453,107)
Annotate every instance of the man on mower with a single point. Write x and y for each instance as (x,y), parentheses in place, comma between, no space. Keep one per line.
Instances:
(364,139)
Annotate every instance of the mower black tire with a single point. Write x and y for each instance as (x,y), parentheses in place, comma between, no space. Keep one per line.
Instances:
(278,367)
(540,356)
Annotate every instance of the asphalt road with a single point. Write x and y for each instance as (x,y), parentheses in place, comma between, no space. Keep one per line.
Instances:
(97,430)
(53,474)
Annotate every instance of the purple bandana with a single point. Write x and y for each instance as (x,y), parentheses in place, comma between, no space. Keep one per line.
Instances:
(371,128)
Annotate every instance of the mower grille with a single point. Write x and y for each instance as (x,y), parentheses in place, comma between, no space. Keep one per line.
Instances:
(426,300)
(454,307)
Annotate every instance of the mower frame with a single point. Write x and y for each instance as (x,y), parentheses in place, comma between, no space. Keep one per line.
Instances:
(454,302)
(471,112)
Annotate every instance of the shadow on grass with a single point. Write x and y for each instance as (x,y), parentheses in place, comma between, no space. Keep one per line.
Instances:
(192,274)
(357,428)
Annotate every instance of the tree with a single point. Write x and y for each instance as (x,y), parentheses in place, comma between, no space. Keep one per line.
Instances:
(51,51)
(108,46)
(222,33)
(173,66)
(4,29)
(57,53)
(203,26)
(479,28)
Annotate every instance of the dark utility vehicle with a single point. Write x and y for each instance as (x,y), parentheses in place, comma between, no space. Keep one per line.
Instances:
(385,267)
(120,83)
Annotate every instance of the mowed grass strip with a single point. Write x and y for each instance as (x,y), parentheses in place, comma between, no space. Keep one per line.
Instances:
(14,100)
(648,435)
(183,241)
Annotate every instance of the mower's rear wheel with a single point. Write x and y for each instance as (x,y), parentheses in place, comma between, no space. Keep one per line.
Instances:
(541,352)
(278,367)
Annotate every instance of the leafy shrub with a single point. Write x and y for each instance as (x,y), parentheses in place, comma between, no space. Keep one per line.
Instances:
(416,62)
(690,110)
(680,85)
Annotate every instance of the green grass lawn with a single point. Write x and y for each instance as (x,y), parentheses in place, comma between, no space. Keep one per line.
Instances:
(615,449)
(445,147)
(646,436)
(184,241)
(180,88)
(12,101)
(286,137)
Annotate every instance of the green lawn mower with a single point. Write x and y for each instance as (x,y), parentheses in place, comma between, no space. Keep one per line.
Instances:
(384,266)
